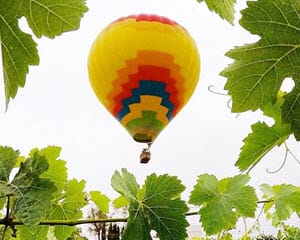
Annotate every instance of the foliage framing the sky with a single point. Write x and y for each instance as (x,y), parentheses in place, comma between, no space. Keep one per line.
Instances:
(256,75)
(41,189)
(48,18)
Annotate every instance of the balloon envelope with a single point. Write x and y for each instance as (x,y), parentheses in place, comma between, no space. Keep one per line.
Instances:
(144,68)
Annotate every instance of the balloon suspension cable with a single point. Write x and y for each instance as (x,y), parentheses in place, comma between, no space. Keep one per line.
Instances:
(145,155)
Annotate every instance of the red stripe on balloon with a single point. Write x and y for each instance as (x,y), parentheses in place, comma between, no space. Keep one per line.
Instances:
(148,18)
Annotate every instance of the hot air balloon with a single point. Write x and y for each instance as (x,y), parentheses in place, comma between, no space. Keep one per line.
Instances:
(144,68)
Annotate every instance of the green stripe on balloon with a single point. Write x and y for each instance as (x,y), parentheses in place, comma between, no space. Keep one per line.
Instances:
(147,124)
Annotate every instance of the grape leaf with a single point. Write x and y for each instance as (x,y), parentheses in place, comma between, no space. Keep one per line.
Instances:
(263,137)
(125,184)
(57,170)
(32,232)
(120,202)
(48,17)
(33,194)
(101,200)
(291,108)
(224,8)
(223,201)
(68,201)
(165,209)
(156,206)
(2,202)
(138,225)
(286,198)
(72,200)
(9,233)
(53,17)
(18,49)
(8,159)
(255,77)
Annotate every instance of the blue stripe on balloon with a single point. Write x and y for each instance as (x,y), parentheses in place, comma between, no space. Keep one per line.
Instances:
(147,87)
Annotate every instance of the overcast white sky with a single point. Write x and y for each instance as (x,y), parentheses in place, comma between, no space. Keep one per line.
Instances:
(58,107)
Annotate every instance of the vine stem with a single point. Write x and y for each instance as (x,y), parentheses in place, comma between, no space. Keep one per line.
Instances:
(79,222)
(73,222)
(69,222)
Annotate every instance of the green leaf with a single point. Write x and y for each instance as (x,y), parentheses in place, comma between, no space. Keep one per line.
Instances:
(8,234)
(18,49)
(19,161)
(70,205)
(32,202)
(30,170)
(53,17)
(8,159)
(258,143)
(57,170)
(263,137)
(224,8)
(255,77)
(286,198)
(2,204)
(164,207)
(33,195)
(291,108)
(223,201)
(45,17)
(138,225)
(101,200)
(125,184)
(120,202)
(32,232)
(156,206)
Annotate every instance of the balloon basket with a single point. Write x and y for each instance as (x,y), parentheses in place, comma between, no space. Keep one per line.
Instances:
(145,156)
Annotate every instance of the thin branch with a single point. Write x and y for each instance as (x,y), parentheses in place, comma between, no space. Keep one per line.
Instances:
(245,225)
(73,222)
(192,213)
(256,222)
(283,162)
(210,88)
(265,201)
(287,151)
(293,155)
